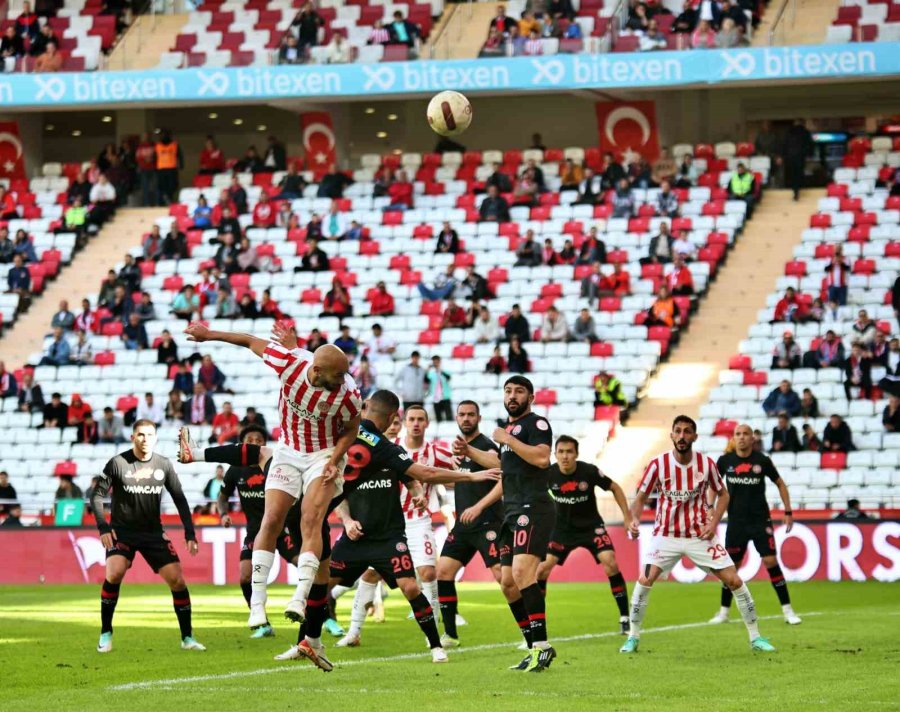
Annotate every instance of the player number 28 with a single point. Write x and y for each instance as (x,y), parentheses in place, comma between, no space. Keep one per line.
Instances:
(716,552)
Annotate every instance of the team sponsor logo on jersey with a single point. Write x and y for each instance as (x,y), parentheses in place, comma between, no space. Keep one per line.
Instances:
(583,486)
(681,495)
(279,475)
(403,456)
(368,437)
(254,494)
(569,486)
(490,535)
(401,547)
(542,425)
(376,484)
(255,480)
(743,480)
(302,412)
(159,475)
(144,489)
(523,521)
(145,473)
(757,469)
(323,407)
(742,468)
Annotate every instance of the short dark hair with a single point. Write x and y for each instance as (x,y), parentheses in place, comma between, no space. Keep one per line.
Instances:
(469,402)
(416,406)
(563,439)
(415,354)
(520,381)
(141,423)
(253,428)
(384,401)
(684,419)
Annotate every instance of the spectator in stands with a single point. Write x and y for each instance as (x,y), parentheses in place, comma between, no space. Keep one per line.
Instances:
(561,9)
(554,327)
(410,381)
(45,36)
(593,284)
(680,281)
(828,354)
(199,409)
(174,246)
(663,311)
(23,245)
(499,179)
(252,417)
(687,174)
(784,436)
(184,377)
(653,38)
(85,320)
(640,175)
(247,307)
(202,214)
(496,363)
(797,146)
(379,34)
(534,46)
(334,226)
(612,172)
(275,158)
(517,325)
(12,48)
(853,511)
(486,329)
(447,240)
(109,427)
(103,201)
(83,351)
(593,249)
(292,184)
(502,22)
(365,375)
(8,386)
(225,426)
(64,319)
(890,416)
(27,23)
(346,343)
(80,189)
(730,35)
(526,188)
(809,441)
(68,489)
(314,228)
(703,37)
(787,352)
(210,376)
(583,328)
(7,248)
(250,163)
(380,347)
(809,405)
(879,350)
(837,436)
(494,207)
(590,188)
(337,301)
(443,286)
(637,20)
(517,357)
(528,254)
(56,413)
(864,329)
(18,281)
(314,259)
(783,399)
(212,158)
(623,200)
(264,212)
(381,302)
(618,284)
(31,397)
(149,409)
(307,25)
(666,201)
(226,305)
(186,304)
(858,372)
(529,22)
(7,493)
(790,308)
(134,334)
(169,160)
(166,349)
(400,192)
(473,286)
(57,351)
(567,255)
(439,391)
(339,50)
(152,244)
(145,166)
(572,174)
(663,172)
(742,187)
(229,225)
(454,316)
(683,247)
(268,307)
(130,275)
(75,220)
(290,52)
(14,518)
(608,390)
(332,185)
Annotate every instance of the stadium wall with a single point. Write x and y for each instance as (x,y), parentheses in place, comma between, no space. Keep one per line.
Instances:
(832,551)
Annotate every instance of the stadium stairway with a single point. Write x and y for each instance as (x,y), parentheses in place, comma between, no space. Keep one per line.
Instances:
(682,384)
(810,24)
(464,31)
(145,41)
(83,276)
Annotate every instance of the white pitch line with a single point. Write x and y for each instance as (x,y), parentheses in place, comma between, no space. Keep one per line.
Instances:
(395,658)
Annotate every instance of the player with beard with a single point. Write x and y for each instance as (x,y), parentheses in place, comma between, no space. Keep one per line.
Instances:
(745,470)
(529,514)
(370,508)
(479,520)
(686,526)
(578,521)
(136,480)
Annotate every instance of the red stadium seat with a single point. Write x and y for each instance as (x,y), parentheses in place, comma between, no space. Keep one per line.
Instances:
(725,428)
(740,363)
(755,378)
(66,468)
(545,396)
(463,351)
(820,220)
(795,268)
(431,337)
(599,348)
(833,461)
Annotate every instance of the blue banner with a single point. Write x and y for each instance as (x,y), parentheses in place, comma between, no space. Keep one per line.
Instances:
(552,73)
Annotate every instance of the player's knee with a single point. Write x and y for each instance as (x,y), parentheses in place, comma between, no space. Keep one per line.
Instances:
(177,582)
(733,581)
(610,568)
(372,577)
(427,573)
(409,587)
(510,592)
(770,561)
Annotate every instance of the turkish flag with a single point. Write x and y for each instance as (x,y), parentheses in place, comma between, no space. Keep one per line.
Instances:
(628,129)
(318,142)
(12,157)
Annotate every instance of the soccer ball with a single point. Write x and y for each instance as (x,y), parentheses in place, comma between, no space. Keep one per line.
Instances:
(449,113)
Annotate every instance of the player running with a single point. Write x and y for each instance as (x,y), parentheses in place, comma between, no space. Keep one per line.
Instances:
(578,521)
(749,520)
(479,519)
(529,513)
(136,480)
(319,406)
(370,508)
(685,526)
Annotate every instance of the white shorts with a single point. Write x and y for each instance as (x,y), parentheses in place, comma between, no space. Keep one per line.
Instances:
(293,472)
(666,551)
(421,541)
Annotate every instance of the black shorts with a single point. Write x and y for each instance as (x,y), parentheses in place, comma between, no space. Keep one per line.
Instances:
(389,557)
(563,543)
(526,530)
(156,549)
(289,543)
(462,544)
(739,534)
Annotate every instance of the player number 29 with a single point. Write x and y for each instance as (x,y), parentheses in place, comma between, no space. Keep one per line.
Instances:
(716,552)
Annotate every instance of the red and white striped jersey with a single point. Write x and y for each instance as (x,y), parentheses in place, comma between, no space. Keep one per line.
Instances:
(312,419)
(434,456)
(681,510)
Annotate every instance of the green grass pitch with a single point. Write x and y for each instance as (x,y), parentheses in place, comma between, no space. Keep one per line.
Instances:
(845,655)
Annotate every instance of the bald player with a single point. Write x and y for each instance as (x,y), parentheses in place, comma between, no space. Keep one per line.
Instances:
(320,406)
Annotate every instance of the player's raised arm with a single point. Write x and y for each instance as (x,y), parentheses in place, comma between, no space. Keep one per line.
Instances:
(485,458)
(173,486)
(536,455)
(199,332)
(439,476)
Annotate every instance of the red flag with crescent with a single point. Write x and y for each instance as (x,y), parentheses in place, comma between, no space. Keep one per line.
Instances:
(318,142)
(628,128)
(12,154)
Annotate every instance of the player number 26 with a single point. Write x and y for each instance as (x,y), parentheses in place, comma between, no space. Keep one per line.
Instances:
(401,563)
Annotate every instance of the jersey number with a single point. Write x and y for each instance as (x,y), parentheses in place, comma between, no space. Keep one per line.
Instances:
(401,563)
(429,548)
(716,552)
(520,538)
(492,550)
(358,456)
(602,541)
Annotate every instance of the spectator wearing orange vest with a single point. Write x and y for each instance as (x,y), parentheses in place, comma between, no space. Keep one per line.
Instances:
(664,312)
(169,160)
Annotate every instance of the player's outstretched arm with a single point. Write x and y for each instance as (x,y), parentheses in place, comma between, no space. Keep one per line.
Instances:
(222,506)
(619,495)
(341,446)
(485,458)
(199,333)
(438,476)
(786,503)
(351,526)
(472,513)
(536,455)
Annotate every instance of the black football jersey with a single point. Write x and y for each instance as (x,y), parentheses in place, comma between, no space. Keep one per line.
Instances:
(745,479)
(576,504)
(524,483)
(467,494)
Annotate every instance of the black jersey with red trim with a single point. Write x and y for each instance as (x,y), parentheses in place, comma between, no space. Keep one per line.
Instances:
(468,494)
(745,478)
(576,503)
(524,483)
